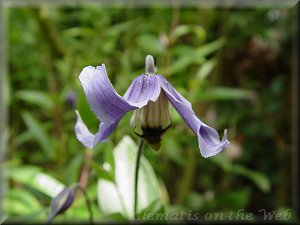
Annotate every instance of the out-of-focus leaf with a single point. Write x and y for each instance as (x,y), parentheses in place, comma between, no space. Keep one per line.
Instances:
(33,177)
(72,169)
(206,69)
(109,158)
(182,63)
(77,32)
(102,173)
(23,137)
(176,209)
(150,44)
(180,50)
(110,199)
(188,56)
(235,199)
(172,150)
(116,29)
(222,93)
(119,197)
(210,47)
(195,200)
(258,178)
(114,217)
(38,133)
(38,98)
(154,207)
(21,202)
(181,30)
(222,161)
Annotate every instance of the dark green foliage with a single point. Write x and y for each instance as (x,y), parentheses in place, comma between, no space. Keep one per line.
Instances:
(233,65)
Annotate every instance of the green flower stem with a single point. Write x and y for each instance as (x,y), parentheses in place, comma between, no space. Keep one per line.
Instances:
(136,176)
(88,203)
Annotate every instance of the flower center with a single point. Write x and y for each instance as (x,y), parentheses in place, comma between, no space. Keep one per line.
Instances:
(152,121)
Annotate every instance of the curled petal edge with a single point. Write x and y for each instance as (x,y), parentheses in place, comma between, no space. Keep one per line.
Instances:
(88,139)
(208,148)
(208,137)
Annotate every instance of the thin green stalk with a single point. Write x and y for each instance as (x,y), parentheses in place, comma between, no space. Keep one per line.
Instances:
(136,176)
(88,203)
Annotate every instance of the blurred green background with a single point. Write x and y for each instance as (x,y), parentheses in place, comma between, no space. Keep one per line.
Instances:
(233,65)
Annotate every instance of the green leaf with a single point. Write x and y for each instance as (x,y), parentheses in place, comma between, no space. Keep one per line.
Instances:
(154,207)
(21,202)
(210,47)
(101,172)
(184,62)
(173,151)
(38,133)
(109,158)
(195,200)
(181,30)
(110,199)
(181,63)
(258,178)
(150,44)
(34,178)
(222,161)
(188,56)
(115,30)
(119,197)
(73,169)
(39,98)
(261,181)
(116,217)
(235,199)
(206,69)
(222,93)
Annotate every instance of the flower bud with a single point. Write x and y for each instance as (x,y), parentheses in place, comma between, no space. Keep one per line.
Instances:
(61,203)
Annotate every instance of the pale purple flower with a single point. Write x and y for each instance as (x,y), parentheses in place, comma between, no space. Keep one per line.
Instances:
(148,96)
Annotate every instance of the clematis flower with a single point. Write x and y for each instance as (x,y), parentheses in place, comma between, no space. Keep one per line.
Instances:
(148,97)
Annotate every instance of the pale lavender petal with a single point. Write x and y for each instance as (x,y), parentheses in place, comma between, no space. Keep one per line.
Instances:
(82,133)
(208,138)
(103,100)
(88,139)
(209,142)
(108,106)
(164,82)
(143,89)
(104,131)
